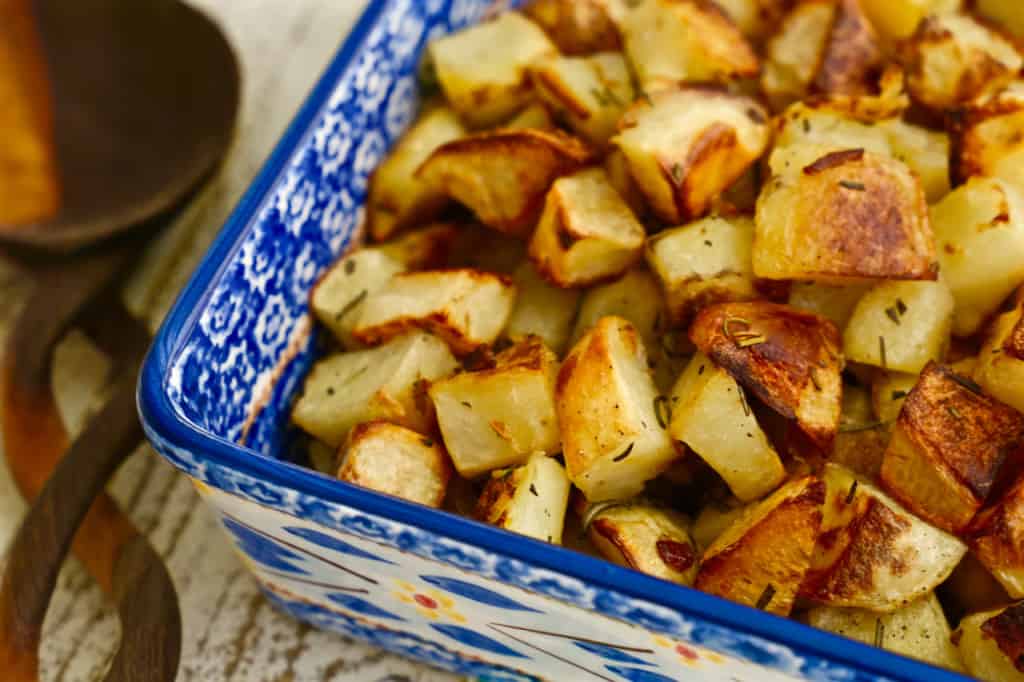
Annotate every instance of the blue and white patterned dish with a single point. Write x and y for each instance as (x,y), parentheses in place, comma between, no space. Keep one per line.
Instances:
(215,396)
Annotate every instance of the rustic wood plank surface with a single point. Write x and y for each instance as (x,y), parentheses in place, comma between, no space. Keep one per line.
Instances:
(231,633)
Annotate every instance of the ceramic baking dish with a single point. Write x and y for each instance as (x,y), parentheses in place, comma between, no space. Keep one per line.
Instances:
(215,396)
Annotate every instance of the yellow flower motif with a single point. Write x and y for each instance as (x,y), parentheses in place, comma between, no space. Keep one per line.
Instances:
(429,602)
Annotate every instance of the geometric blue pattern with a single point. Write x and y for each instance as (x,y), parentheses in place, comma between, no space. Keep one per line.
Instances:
(362,606)
(475,639)
(263,549)
(475,592)
(610,653)
(330,542)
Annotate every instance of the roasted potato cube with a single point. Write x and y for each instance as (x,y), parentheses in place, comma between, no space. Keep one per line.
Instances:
(1003,13)
(952,59)
(529,499)
(672,41)
(646,538)
(979,232)
(616,165)
(990,644)
(972,588)
(587,233)
(541,309)
(339,296)
(425,248)
(760,560)
(852,55)
(397,461)
(397,198)
(900,326)
(580,26)
(988,137)
(788,358)
(896,19)
(948,446)
(755,18)
(795,52)
(996,537)
(873,554)
(835,303)
(713,520)
(535,116)
(588,93)
(1000,367)
(482,69)
(496,417)
(710,414)
(467,308)
(388,382)
(613,438)
(862,439)
(888,392)
(918,630)
(704,262)
(635,297)
(845,216)
(685,146)
(806,131)
(503,176)
(926,152)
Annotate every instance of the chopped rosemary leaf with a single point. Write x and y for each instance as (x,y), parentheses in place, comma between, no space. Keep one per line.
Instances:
(751,341)
(663,411)
(533,490)
(968,383)
(350,266)
(677,173)
(595,510)
(893,315)
(427,442)
(850,184)
(879,633)
(707,242)
(766,597)
(855,428)
(467,404)
(851,493)
(350,306)
(743,401)
(955,413)
(881,351)
(897,395)
(625,453)
(727,322)
(815,380)
(901,306)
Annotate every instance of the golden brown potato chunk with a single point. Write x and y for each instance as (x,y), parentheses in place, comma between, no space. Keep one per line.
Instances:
(788,358)
(645,537)
(503,175)
(852,56)
(397,198)
(948,446)
(842,216)
(996,537)
(1000,368)
(991,643)
(760,560)
(795,53)
(580,26)
(872,553)
(482,69)
(465,307)
(988,138)
(501,415)
(686,146)
(952,59)
(897,19)
(397,461)
(530,499)
(587,232)
(756,18)
(541,310)
(673,41)
(613,439)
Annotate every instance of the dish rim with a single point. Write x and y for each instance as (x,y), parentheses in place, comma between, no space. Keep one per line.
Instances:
(158,414)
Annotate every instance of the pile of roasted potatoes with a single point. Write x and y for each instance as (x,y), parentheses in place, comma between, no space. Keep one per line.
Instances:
(728,292)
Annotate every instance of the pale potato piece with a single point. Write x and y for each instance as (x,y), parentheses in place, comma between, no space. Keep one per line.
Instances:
(669,42)
(645,537)
(397,198)
(502,176)
(952,59)
(482,69)
(612,439)
(835,303)
(1000,369)
(616,165)
(704,262)
(795,52)
(711,416)
(530,499)
(788,358)
(388,382)
(685,146)
(339,296)
(979,232)
(760,560)
(589,93)
(990,644)
(896,19)
(926,152)
(535,116)
(900,326)
(889,390)
(467,308)
(844,216)
(587,232)
(755,18)
(918,630)
(425,248)
(712,521)
(499,416)
(635,297)
(996,537)
(873,554)
(541,309)
(948,447)
(397,461)
(1003,13)
(989,142)
(580,26)
(808,130)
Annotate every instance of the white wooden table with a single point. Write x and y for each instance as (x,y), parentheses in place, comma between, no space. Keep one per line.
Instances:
(231,633)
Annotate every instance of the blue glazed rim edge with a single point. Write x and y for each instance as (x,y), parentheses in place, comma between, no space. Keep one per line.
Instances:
(158,414)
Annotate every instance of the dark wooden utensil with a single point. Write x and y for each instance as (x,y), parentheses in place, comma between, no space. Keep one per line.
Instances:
(145,94)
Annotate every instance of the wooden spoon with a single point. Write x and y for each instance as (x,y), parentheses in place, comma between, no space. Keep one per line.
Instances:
(145,95)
